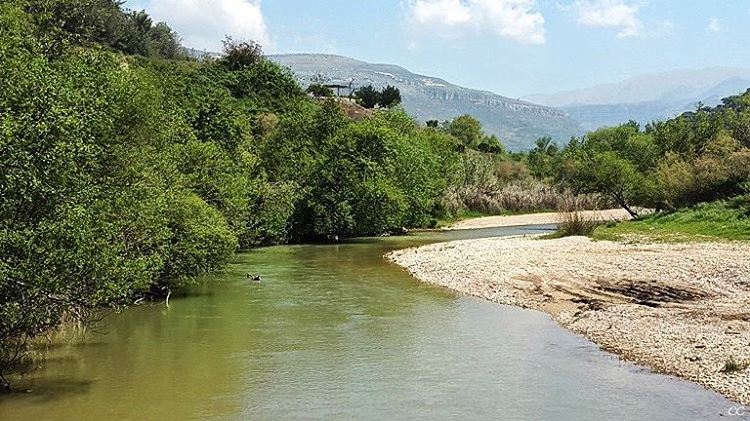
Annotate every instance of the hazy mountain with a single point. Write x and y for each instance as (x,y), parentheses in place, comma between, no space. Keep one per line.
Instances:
(518,123)
(648,97)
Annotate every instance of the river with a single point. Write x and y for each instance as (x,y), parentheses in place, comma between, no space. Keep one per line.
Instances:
(337,332)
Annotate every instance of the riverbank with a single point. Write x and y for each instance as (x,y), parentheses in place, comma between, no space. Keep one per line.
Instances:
(680,309)
(545,218)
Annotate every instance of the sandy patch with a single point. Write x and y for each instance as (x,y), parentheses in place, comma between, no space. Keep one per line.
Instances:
(535,219)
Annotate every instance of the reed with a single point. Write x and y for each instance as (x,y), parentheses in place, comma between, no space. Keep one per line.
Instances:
(572,220)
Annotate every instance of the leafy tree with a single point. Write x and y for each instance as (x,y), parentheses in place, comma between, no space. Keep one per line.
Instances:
(367,96)
(614,161)
(389,97)
(542,159)
(60,24)
(467,129)
(490,144)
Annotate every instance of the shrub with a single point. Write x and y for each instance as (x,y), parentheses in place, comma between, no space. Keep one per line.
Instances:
(240,55)
(733,366)
(201,240)
(572,220)
(319,91)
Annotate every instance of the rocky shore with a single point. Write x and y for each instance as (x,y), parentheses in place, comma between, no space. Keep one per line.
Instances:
(680,309)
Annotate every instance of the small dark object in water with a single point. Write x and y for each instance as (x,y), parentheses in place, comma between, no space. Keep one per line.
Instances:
(255,278)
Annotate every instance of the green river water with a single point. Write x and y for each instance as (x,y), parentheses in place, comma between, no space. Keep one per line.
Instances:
(337,332)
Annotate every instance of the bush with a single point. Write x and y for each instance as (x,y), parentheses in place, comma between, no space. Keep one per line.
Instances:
(733,366)
(240,55)
(573,222)
(201,240)
(319,91)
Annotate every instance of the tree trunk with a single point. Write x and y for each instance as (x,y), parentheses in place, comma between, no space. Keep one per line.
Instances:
(5,386)
(623,204)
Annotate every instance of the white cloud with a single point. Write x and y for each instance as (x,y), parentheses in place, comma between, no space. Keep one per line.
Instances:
(441,12)
(714,25)
(518,20)
(202,24)
(617,14)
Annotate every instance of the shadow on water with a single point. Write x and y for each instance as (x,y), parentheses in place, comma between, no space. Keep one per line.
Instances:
(46,391)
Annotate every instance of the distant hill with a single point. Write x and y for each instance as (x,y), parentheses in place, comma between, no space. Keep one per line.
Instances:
(518,123)
(649,97)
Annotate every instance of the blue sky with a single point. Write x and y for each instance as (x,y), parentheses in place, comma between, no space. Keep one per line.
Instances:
(512,47)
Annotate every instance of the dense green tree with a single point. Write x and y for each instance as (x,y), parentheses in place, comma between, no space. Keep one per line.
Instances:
(467,129)
(613,161)
(542,159)
(367,96)
(389,97)
(490,144)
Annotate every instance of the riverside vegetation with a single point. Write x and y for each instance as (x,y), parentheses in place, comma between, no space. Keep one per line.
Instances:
(128,168)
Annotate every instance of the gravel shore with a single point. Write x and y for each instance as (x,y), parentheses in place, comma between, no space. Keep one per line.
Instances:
(547,218)
(681,309)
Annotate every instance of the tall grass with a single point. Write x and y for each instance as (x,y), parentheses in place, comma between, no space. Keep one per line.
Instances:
(496,185)
(572,220)
(517,196)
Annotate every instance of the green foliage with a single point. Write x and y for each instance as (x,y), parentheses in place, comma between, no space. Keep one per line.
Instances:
(240,55)
(490,144)
(697,157)
(543,159)
(265,85)
(319,91)
(614,161)
(727,220)
(61,24)
(202,240)
(367,96)
(468,131)
(389,97)
(370,177)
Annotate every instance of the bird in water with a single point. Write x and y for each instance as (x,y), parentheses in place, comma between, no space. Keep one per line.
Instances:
(255,278)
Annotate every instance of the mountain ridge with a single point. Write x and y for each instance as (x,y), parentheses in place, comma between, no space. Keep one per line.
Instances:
(518,123)
(648,97)
(672,85)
